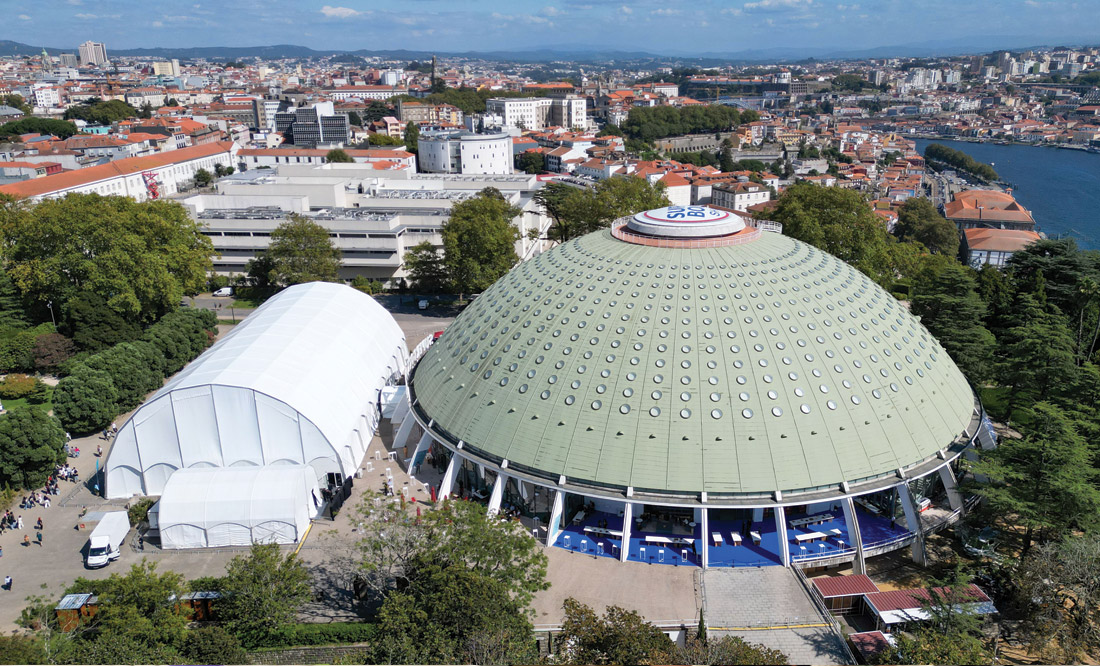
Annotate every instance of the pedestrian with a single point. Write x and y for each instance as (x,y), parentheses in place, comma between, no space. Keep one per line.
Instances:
(141,543)
(68,437)
(38,536)
(19,523)
(26,540)
(7,583)
(1,551)
(38,525)
(46,501)
(98,451)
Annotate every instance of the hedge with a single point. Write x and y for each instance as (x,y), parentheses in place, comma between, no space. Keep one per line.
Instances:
(333,633)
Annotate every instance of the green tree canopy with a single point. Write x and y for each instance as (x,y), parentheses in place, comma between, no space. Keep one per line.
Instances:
(412,137)
(919,220)
(93,325)
(141,258)
(724,650)
(100,112)
(31,444)
(263,591)
(1044,482)
(479,241)
(1036,359)
(531,161)
(839,222)
(203,178)
(619,637)
(1061,591)
(951,309)
(62,129)
(302,251)
(425,267)
(338,155)
(85,401)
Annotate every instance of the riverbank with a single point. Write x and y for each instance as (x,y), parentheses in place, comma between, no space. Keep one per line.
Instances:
(1000,142)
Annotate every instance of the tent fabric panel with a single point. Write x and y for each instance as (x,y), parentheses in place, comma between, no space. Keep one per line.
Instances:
(182,535)
(228,534)
(124,481)
(197,426)
(279,432)
(275,532)
(156,477)
(314,445)
(156,435)
(124,450)
(238,429)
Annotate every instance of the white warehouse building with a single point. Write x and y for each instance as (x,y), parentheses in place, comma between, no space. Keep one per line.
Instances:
(466,153)
(296,383)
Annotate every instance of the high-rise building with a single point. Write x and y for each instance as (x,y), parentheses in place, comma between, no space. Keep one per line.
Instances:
(310,126)
(69,60)
(167,68)
(93,53)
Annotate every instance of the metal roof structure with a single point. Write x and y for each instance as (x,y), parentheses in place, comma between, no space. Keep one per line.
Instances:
(652,359)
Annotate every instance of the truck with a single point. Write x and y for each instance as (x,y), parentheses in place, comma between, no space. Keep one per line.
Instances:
(105,542)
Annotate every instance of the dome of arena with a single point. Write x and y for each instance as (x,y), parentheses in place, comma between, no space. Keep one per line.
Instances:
(691,377)
(737,369)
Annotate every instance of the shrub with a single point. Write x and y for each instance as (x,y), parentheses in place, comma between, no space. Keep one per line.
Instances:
(16,386)
(139,512)
(216,282)
(293,635)
(213,645)
(132,371)
(85,401)
(17,347)
(31,443)
(51,350)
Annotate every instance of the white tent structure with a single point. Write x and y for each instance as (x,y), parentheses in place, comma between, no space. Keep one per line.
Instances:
(297,382)
(237,506)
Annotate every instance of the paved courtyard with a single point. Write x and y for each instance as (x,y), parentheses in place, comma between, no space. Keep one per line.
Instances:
(768,605)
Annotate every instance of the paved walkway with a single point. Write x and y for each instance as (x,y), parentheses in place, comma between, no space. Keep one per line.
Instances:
(768,605)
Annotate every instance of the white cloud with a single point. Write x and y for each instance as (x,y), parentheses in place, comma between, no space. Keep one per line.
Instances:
(776,5)
(75,2)
(733,11)
(158,24)
(1033,3)
(87,16)
(665,12)
(339,12)
(550,10)
(24,17)
(626,10)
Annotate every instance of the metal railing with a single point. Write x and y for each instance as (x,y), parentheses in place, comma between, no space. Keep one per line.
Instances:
(418,352)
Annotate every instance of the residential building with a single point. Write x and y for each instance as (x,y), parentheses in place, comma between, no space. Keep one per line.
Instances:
(258,158)
(538,113)
(466,153)
(739,196)
(994,246)
(167,68)
(310,126)
(148,177)
(974,209)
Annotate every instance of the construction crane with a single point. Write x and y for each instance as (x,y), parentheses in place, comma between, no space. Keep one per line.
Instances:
(151,184)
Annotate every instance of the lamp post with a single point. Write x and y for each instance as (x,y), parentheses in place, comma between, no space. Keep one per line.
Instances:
(49,304)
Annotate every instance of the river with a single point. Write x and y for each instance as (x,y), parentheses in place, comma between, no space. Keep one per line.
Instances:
(1061,188)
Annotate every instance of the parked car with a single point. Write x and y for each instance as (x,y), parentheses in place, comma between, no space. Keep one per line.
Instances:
(423,304)
(224,291)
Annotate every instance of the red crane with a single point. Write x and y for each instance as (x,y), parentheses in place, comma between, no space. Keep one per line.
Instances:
(151,184)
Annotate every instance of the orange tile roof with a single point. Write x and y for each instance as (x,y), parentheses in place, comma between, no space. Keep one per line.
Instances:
(71,179)
(999,240)
(986,205)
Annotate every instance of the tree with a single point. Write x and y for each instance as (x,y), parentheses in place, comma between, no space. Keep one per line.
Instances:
(531,161)
(203,178)
(452,614)
(849,82)
(724,650)
(22,649)
(839,222)
(85,401)
(951,309)
(93,325)
(479,241)
(376,111)
(919,220)
(412,137)
(354,119)
(553,197)
(1060,588)
(16,101)
(213,645)
(338,155)
(62,129)
(425,267)
(12,312)
(263,591)
(610,129)
(950,635)
(302,251)
(98,112)
(260,272)
(619,637)
(135,368)
(31,444)
(1036,356)
(1044,482)
(141,258)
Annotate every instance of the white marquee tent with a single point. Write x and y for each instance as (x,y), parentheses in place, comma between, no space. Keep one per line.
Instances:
(236,506)
(297,382)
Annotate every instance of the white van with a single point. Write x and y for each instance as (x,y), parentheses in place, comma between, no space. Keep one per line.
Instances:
(423,304)
(224,291)
(105,542)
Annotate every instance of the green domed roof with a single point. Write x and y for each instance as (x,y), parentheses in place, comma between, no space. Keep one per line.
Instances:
(739,369)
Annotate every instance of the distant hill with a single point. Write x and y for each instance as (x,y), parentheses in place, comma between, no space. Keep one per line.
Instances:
(578,53)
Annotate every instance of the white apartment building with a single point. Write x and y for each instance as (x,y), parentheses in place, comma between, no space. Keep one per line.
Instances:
(739,196)
(388,158)
(344,93)
(538,113)
(93,53)
(466,153)
(167,68)
(167,172)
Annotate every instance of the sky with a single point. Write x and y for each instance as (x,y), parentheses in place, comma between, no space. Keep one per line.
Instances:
(656,26)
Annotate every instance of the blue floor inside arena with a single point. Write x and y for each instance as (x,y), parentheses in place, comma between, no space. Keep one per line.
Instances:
(750,552)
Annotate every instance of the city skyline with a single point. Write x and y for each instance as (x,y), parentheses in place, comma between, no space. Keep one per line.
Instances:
(782,28)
